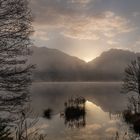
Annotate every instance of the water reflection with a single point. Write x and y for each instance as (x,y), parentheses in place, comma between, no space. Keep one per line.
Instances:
(75,112)
(97,126)
(52,95)
(47,113)
(97,123)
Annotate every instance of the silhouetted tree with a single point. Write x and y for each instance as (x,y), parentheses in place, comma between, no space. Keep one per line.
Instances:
(15,73)
(26,127)
(132,77)
(133,104)
(132,82)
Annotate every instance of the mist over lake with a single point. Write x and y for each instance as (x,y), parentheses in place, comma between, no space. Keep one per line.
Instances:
(104,94)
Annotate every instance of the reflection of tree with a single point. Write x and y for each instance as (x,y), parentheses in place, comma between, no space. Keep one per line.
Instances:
(75,112)
(48,113)
(132,119)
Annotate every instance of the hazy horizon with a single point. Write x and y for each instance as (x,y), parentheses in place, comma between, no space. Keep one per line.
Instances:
(87,61)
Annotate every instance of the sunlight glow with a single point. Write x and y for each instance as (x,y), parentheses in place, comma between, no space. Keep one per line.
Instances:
(96,112)
(88,59)
(91,105)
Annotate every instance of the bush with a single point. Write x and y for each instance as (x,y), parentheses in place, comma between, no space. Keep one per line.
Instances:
(48,113)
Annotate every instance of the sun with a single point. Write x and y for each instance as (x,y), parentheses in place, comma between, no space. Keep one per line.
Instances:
(88,59)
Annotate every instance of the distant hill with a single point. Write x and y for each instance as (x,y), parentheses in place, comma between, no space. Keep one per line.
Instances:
(110,65)
(54,65)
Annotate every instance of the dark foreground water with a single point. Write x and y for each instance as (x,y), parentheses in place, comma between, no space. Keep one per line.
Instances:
(103,106)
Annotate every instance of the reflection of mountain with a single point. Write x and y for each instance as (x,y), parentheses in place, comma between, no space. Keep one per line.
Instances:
(54,65)
(52,95)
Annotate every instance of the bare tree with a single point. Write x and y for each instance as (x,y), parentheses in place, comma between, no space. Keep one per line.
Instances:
(15,73)
(132,82)
(132,77)
(133,104)
(25,126)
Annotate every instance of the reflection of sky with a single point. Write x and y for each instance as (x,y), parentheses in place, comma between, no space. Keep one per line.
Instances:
(106,95)
(99,126)
(101,98)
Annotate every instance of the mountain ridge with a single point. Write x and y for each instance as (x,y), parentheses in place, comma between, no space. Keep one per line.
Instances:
(55,65)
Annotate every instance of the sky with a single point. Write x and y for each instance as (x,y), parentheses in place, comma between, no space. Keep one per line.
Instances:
(86,28)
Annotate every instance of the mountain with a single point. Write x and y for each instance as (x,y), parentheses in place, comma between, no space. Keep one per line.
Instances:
(54,65)
(110,65)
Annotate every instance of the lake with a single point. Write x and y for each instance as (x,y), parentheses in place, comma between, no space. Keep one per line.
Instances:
(103,106)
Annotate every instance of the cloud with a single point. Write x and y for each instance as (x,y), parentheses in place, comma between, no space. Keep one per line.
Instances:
(112,42)
(77,22)
(82,34)
(80,1)
(93,25)
(93,28)
(137,43)
(78,25)
(136,14)
(42,35)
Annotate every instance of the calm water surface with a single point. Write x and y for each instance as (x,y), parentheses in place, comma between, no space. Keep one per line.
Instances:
(103,105)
